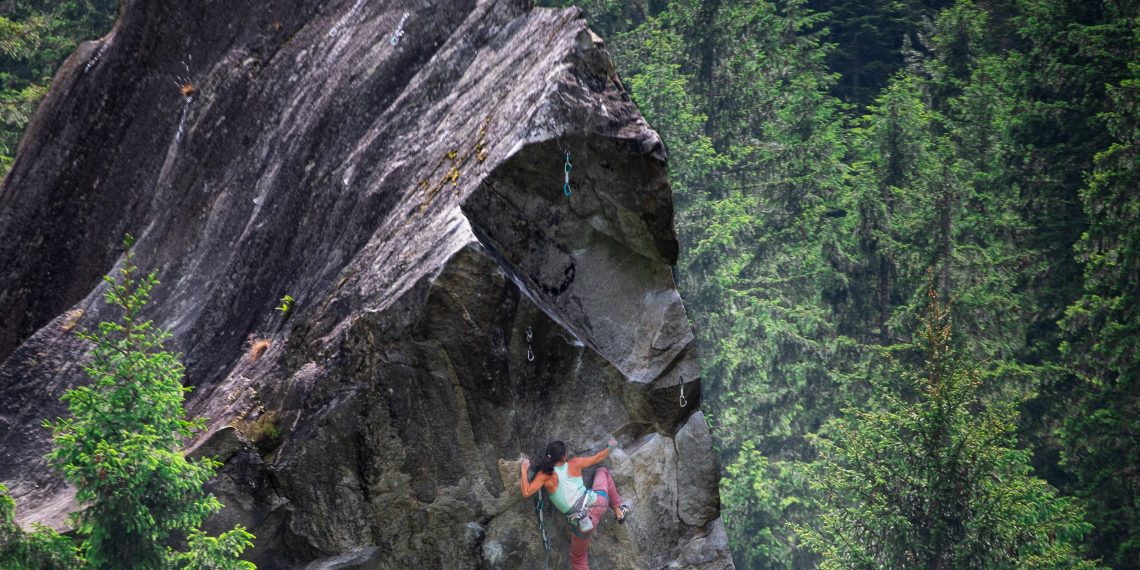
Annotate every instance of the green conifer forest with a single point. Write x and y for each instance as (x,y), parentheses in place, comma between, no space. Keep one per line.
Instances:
(834,161)
(910,246)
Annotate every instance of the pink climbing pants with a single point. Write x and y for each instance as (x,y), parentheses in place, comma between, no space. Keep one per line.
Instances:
(580,545)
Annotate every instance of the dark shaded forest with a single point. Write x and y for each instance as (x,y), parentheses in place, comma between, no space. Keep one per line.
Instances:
(834,161)
(35,37)
(910,247)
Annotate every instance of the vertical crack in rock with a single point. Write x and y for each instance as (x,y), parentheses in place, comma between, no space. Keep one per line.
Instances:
(396,167)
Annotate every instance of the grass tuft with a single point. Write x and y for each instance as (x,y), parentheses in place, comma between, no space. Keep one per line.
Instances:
(257,347)
(262,431)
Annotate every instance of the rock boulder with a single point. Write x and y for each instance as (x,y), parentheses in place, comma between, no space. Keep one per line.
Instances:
(398,169)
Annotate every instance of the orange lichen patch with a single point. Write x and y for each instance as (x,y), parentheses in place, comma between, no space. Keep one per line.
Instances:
(187,89)
(72,319)
(257,347)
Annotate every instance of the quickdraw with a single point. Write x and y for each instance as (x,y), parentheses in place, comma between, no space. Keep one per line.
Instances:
(566,180)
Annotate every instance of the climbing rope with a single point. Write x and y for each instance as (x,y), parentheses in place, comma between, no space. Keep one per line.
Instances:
(566,180)
(538,507)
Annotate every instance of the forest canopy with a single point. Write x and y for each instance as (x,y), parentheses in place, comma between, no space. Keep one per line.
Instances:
(826,155)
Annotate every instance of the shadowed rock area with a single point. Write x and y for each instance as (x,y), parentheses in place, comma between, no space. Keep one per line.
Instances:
(397,168)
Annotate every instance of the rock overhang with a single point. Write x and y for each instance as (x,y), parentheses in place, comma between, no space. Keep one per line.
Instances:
(377,161)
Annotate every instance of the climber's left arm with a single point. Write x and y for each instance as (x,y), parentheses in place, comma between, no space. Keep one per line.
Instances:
(579,463)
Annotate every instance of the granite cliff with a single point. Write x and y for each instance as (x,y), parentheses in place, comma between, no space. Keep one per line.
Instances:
(397,168)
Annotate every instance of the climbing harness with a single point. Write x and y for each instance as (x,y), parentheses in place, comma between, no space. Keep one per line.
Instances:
(579,513)
(566,180)
(684,402)
(538,507)
(529,351)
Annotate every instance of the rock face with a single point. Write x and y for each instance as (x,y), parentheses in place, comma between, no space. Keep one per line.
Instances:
(397,168)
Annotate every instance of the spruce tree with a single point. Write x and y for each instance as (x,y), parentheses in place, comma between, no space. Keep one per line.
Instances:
(35,37)
(929,476)
(739,91)
(121,448)
(1102,436)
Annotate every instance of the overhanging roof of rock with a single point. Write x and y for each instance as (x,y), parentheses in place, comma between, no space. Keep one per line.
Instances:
(348,154)
(335,152)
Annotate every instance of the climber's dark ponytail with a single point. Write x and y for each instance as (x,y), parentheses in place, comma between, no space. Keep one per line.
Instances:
(555,452)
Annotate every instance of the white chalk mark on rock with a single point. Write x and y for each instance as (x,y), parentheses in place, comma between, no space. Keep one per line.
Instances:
(182,121)
(336,29)
(98,55)
(399,33)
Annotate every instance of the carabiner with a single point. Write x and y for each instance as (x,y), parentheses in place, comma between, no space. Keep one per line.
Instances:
(566,180)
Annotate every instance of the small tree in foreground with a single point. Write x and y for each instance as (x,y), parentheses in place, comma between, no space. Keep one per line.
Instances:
(936,483)
(121,448)
(43,548)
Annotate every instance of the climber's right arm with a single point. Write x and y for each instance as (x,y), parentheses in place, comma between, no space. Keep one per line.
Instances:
(531,487)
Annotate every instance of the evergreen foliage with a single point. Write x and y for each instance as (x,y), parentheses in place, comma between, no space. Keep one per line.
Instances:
(1101,441)
(43,548)
(873,40)
(825,154)
(35,37)
(121,448)
(929,476)
(987,140)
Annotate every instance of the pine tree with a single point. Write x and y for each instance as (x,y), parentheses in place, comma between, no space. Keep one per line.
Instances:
(869,38)
(805,233)
(1102,434)
(929,476)
(121,448)
(758,168)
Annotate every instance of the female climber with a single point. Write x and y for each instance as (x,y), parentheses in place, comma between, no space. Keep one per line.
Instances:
(561,477)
